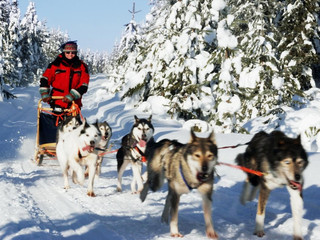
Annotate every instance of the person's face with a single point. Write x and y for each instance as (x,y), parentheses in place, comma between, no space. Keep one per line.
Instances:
(70,55)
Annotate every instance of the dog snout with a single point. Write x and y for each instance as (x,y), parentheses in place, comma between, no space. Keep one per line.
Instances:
(92,143)
(297,177)
(144,136)
(205,167)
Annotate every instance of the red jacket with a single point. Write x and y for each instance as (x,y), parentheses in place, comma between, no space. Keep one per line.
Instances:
(63,75)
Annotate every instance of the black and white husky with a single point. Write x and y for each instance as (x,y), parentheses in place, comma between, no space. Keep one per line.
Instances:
(68,124)
(106,133)
(282,161)
(75,148)
(132,150)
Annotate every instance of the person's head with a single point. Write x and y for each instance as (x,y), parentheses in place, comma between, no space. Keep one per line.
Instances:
(70,49)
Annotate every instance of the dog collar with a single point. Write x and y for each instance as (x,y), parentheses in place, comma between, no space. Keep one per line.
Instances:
(184,179)
(186,182)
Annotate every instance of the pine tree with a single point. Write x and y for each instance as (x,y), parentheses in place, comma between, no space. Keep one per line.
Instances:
(50,46)
(13,62)
(224,116)
(33,36)
(234,53)
(5,8)
(171,60)
(299,26)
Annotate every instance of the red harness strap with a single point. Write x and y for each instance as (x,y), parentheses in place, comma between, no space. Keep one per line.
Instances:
(74,110)
(143,157)
(258,173)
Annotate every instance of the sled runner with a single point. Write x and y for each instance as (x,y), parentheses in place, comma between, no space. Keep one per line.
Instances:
(47,125)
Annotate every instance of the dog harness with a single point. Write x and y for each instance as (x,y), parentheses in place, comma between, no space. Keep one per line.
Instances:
(143,157)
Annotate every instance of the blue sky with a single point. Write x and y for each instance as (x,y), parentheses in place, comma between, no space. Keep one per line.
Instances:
(96,24)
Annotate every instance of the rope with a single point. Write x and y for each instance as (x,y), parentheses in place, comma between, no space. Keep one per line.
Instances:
(59,116)
(235,146)
(104,153)
(74,110)
(258,173)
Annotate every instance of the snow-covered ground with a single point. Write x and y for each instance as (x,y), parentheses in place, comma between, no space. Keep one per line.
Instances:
(34,204)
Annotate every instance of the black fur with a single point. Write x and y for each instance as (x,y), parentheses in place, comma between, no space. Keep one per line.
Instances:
(273,147)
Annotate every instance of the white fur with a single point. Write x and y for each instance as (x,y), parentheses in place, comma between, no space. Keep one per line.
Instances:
(296,203)
(73,145)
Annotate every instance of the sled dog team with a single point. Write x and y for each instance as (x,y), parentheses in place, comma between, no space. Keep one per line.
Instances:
(280,159)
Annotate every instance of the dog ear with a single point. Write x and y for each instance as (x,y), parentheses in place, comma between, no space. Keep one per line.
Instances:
(84,123)
(193,135)
(83,126)
(149,119)
(298,140)
(97,122)
(212,137)
(136,118)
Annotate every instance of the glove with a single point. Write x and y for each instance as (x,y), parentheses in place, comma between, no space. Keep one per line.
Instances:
(46,99)
(68,98)
(45,94)
(73,95)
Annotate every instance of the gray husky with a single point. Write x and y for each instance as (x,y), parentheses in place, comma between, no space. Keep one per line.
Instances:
(281,160)
(186,167)
(132,150)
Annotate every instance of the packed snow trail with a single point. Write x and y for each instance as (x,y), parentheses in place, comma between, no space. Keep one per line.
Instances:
(34,204)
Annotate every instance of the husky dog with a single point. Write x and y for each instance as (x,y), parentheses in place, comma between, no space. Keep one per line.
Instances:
(78,148)
(66,126)
(106,134)
(132,150)
(281,160)
(186,167)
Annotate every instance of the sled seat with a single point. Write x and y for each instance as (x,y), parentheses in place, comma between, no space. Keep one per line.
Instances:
(47,126)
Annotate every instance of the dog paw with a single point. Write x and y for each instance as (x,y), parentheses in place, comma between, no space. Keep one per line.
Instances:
(119,189)
(212,234)
(259,233)
(179,235)
(66,187)
(91,194)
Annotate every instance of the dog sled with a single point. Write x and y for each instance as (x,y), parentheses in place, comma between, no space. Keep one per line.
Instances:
(47,125)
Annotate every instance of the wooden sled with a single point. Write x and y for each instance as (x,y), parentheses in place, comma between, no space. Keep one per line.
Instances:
(47,125)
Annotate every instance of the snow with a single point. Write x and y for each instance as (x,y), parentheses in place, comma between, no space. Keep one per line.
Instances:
(225,37)
(34,204)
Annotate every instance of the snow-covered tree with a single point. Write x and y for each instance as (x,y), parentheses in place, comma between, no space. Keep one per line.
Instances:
(255,25)
(297,48)
(33,35)
(52,41)
(171,60)
(221,53)
(13,64)
(5,9)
